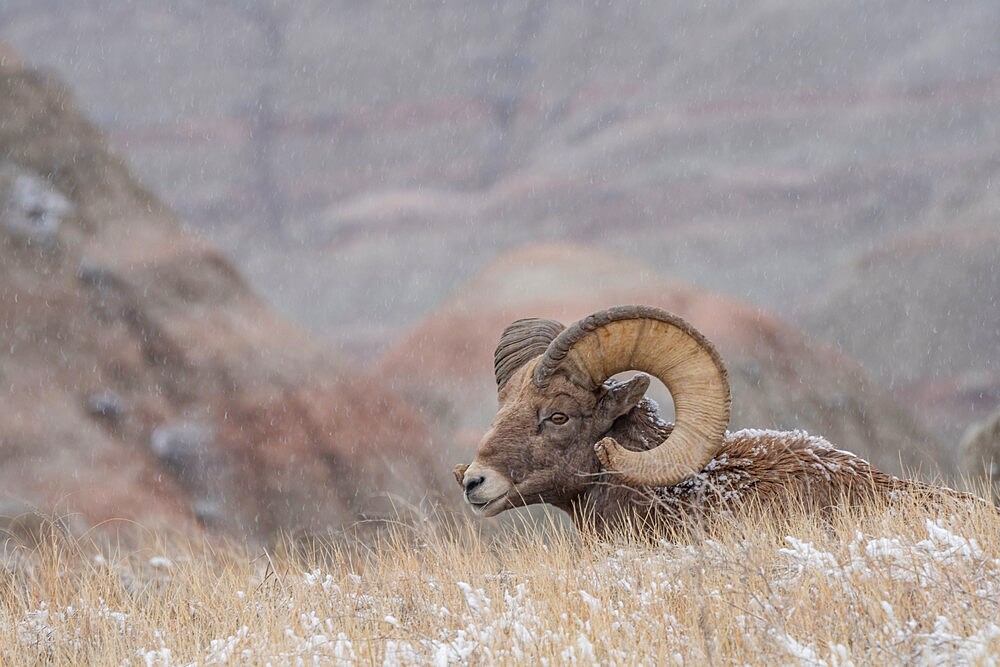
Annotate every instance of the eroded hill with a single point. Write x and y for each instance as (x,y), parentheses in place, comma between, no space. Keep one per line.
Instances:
(141,379)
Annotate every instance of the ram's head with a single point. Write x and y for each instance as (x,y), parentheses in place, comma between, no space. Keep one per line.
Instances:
(548,442)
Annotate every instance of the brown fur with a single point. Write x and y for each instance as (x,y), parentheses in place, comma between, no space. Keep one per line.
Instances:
(766,470)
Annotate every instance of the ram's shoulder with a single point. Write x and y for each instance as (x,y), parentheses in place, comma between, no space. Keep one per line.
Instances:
(766,445)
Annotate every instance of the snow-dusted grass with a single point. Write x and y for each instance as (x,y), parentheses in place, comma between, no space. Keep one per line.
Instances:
(907,587)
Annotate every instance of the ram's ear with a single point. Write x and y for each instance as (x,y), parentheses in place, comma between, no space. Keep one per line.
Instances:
(521,342)
(617,398)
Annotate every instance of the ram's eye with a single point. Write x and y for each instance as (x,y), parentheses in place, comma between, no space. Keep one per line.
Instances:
(558,418)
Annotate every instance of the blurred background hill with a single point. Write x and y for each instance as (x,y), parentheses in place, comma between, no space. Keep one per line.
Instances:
(141,378)
(814,183)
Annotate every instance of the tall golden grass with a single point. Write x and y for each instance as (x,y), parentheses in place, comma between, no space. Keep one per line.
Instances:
(904,586)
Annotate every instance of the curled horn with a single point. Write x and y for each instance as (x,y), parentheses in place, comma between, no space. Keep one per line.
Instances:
(520,342)
(659,343)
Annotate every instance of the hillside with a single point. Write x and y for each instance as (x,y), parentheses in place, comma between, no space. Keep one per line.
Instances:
(360,162)
(748,148)
(143,380)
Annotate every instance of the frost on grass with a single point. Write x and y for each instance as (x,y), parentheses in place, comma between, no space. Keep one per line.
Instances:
(161,562)
(929,596)
(45,629)
(925,563)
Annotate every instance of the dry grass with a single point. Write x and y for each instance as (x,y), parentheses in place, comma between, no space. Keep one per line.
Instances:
(895,588)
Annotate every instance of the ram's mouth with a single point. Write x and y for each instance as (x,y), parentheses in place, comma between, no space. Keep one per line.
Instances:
(485,507)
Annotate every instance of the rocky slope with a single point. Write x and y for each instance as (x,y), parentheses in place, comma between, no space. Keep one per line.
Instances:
(141,379)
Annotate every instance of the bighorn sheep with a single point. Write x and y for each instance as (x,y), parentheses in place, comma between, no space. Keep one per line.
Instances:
(567,435)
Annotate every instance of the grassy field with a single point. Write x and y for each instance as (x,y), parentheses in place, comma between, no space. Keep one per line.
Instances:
(904,587)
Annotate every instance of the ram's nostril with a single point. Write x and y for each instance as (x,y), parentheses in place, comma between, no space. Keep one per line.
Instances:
(473,482)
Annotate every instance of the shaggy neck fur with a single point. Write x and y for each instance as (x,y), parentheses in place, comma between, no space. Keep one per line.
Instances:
(759,470)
